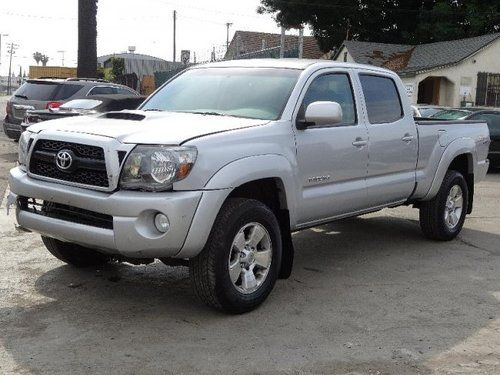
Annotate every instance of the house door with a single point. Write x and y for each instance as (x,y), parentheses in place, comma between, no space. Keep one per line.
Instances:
(428,90)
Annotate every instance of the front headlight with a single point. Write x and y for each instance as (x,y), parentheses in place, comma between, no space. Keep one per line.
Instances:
(23,147)
(156,168)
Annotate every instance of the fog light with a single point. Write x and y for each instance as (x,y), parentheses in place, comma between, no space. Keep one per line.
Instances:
(162,223)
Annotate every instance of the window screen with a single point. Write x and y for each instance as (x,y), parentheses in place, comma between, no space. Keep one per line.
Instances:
(382,99)
(332,88)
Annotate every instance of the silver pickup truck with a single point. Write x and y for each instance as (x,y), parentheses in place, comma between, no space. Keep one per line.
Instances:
(225,160)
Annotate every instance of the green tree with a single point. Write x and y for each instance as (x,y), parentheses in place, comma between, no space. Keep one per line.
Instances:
(117,67)
(389,21)
(87,38)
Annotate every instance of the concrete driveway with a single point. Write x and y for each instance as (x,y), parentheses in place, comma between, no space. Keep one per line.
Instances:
(367,296)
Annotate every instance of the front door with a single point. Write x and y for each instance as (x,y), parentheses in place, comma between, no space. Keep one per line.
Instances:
(332,160)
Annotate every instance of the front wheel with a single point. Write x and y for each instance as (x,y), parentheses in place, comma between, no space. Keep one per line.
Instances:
(239,265)
(442,218)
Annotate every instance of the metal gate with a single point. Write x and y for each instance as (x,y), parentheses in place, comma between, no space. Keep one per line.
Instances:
(488,90)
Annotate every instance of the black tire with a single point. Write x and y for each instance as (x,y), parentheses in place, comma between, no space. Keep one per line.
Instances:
(432,213)
(209,271)
(12,135)
(75,255)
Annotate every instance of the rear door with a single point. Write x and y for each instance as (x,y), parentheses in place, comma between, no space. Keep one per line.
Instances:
(393,147)
(332,159)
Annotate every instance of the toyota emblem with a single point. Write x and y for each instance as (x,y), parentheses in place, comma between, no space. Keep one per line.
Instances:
(64,160)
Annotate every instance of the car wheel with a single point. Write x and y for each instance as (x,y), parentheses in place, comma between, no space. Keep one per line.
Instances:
(239,264)
(75,255)
(442,218)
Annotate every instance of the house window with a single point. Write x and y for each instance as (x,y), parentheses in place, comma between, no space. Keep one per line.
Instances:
(345,56)
(488,90)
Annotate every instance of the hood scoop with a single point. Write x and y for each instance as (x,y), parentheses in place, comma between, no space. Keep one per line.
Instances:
(124,116)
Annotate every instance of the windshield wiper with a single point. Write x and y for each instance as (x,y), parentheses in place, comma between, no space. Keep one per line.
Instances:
(208,113)
(153,110)
(21,96)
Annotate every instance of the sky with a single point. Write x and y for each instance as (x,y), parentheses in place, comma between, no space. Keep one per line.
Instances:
(50,26)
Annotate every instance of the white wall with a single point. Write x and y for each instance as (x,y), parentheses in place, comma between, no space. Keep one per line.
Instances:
(340,57)
(487,60)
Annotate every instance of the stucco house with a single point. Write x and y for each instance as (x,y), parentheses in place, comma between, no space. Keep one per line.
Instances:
(452,73)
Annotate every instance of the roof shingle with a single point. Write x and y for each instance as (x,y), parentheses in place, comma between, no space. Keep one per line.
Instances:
(408,59)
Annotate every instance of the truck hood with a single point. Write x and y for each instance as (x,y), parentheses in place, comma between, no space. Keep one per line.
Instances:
(141,127)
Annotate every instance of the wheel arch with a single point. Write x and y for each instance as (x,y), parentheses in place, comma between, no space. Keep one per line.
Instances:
(268,178)
(460,156)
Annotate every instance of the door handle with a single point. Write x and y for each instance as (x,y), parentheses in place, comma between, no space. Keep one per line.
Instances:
(359,143)
(407,138)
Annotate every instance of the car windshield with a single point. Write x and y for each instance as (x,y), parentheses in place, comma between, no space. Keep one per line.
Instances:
(257,93)
(37,90)
(81,104)
(428,112)
(47,90)
(451,114)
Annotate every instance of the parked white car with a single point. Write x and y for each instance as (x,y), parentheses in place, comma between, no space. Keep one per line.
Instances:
(223,162)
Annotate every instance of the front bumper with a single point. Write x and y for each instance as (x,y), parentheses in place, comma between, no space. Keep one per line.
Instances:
(133,233)
(11,130)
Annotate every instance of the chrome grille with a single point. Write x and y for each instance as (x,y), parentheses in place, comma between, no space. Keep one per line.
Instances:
(88,167)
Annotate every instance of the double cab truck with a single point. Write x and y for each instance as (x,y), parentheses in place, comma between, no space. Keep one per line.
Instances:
(225,160)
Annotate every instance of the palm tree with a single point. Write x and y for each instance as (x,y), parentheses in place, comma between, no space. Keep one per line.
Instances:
(44,60)
(38,57)
(87,38)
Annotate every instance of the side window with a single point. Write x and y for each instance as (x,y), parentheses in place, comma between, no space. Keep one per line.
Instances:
(332,88)
(382,99)
(102,90)
(492,119)
(67,91)
(122,91)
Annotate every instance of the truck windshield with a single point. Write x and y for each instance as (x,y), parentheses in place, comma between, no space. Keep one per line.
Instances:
(257,93)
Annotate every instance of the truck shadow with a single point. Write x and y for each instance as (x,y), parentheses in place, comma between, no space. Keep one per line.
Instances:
(366,294)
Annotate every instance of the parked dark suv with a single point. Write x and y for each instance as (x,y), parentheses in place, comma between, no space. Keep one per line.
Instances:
(51,93)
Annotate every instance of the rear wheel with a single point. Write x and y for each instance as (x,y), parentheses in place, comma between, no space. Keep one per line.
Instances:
(75,255)
(239,265)
(442,218)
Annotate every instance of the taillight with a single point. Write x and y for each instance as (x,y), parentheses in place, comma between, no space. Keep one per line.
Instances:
(52,105)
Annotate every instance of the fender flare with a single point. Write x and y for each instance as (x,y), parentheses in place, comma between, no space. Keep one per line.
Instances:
(254,168)
(456,148)
(223,182)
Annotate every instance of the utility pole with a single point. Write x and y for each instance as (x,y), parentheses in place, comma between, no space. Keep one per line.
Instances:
(11,51)
(175,27)
(62,52)
(228,25)
(301,42)
(282,42)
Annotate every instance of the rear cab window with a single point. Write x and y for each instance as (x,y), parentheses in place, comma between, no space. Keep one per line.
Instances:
(382,99)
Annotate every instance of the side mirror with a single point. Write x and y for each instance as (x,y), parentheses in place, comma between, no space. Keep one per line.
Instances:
(321,113)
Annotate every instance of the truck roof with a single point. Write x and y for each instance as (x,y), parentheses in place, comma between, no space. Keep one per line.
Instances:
(287,64)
